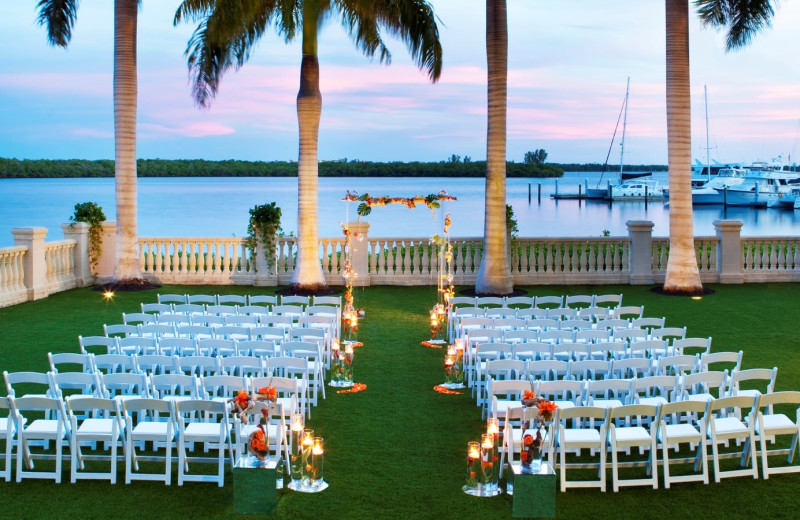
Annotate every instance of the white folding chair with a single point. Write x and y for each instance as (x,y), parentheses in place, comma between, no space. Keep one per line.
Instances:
(156,364)
(198,365)
(547,370)
(578,301)
(629,426)
(698,346)
(120,330)
(124,386)
(171,298)
(608,300)
(724,425)
(733,359)
(148,420)
(8,431)
(189,309)
(311,351)
(627,368)
(699,386)
(203,422)
(235,299)
(588,431)
(113,363)
(31,428)
(549,301)
(75,360)
(770,424)
(156,308)
(109,345)
(683,422)
(93,420)
(266,300)
(243,366)
(628,312)
(765,376)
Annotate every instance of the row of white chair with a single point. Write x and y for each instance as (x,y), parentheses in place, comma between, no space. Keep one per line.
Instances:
(128,424)
(570,301)
(273,331)
(749,420)
(259,299)
(561,323)
(503,394)
(230,315)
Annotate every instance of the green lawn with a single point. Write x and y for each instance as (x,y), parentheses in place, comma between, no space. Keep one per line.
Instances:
(398,450)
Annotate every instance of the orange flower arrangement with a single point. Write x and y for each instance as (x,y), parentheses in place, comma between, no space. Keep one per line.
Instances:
(429,344)
(546,410)
(259,443)
(357,387)
(442,390)
(242,402)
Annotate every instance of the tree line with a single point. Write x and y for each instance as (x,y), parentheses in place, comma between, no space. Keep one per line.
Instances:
(43,168)
(47,168)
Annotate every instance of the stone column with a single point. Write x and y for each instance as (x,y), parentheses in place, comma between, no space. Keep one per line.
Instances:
(107,262)
(640,262)
(729,251)
(79,232)
(359,259)
(33,263)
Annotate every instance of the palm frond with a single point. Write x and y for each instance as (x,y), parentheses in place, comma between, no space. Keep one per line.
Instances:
(744,19)
(227,32)
(413,21)
(59,18)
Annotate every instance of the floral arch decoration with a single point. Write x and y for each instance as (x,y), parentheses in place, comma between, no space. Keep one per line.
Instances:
(441,243)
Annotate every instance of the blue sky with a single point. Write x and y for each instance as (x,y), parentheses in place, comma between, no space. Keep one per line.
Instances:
(568,62)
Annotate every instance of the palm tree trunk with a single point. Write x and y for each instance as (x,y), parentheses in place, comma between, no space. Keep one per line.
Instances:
(494,276)
(308,270)
(125,92)
(683,275)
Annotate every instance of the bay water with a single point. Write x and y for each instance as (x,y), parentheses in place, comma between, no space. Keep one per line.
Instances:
(218,207)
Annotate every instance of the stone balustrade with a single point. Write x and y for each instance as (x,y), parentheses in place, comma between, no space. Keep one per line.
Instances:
(33,268)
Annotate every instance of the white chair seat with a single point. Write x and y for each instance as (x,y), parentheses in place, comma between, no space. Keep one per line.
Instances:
(144,431)
(564,404)
(573,437)
(681,433)
(96,427)
(700,397)
(41,427)
(729,426)
(632,434)
(201,431)
(777,424)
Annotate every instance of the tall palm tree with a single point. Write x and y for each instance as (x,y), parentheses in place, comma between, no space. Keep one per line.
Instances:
(743,20)
(229,29)
(59,18)
(494,276)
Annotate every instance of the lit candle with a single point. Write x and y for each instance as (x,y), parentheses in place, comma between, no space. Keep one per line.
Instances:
(297,423)
(473,452)
(487,442)
(493,427)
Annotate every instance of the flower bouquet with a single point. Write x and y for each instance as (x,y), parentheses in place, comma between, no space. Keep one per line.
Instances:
(532,443)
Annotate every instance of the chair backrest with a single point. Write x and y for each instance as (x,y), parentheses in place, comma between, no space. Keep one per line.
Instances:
(268,333)
(171,298)
(189,309)
(561,313)
(608,300)
(194,332)
(631,367)
(517,301)
(235,299)
(208,320)
(581,412)
(704,382)
(520,336)
(40,379)
(529,313)
(548,301)
(578,300)
(734,358)
(336,301)
(635,413)
(109,344)
(505,369)
(681,346)
(177,346)
(211,347)
(593,313)
(608,389)
(463,301)
(727,406)
(486,351)
(283,321)
(612,323)
(548,370)
(198,365)
(678,364)
(531,350)
(511,388)
(474,322)
(156,308)
(114,363)
(173,318)
(162,385)
(765,375)
(542,324)
(668,333)
(241,320)
(84,361)
(39,404)
(487,301)
(155,364)
(257,347)
(202,298)
(629,311)
(556,336)
(312,334)
(589,369)
(677,410)
(81,383)
(201,410)
(560,390)
(253,310)
(654,386)
(483,335)
(303,349)
(155,330)
(287,367)
(246,366)
(787,397)
(294,311)
(221,310)
(232,332)
(129,383)
(587,335)
(138,345)
(147,409)
(221,386)
(301,301)
(120,330)
(575,324)
(629,334)
(262,299)
(137,318)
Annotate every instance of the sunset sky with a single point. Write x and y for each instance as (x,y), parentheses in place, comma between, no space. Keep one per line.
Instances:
(568,63)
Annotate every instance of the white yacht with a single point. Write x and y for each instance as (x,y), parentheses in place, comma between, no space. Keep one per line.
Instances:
(637,189)
(758,187)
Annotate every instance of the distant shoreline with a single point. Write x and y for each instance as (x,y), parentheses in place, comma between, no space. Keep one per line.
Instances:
(79,168)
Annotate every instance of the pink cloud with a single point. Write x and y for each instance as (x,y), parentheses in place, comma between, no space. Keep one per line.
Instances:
(61,84)
(151,130)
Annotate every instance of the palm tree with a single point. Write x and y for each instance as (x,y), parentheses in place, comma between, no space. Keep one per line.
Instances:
(494,276)
(743,20)
(59,18)
(229,29)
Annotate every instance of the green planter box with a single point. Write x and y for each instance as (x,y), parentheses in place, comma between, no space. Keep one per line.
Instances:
(254,487)
(534,493)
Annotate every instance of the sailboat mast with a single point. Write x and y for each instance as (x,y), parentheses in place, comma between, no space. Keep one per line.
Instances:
(708,148)
(624,124)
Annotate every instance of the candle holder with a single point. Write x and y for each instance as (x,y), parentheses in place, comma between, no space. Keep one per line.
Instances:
(311,463)
(486,474)
(438,318)
(453,369)
(350,326)
(342,368)
(295,473)
(473,468)
(318,465)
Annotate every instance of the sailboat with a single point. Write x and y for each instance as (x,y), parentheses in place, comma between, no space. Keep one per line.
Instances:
(623,189)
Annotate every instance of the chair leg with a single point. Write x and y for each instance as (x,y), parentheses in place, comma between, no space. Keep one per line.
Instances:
(715,456)
(114,461)
(764,464)
(614,470)
(665,452)
(168,463)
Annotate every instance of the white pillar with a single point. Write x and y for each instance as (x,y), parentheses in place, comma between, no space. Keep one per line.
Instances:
(33,264)
(729,251)
(359,259)
(640,262)
(108,253)
(79,232)
(266,275)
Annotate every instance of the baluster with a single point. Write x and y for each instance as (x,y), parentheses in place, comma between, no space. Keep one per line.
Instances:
(619,264)
(773,255)
(406,265)
(290,257)
(186,251)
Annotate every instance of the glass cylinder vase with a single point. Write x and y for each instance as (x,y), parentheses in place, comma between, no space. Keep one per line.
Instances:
(317,463)
(473,467)
(306,458)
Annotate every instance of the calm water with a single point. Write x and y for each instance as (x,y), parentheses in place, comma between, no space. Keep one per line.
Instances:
(175,207)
